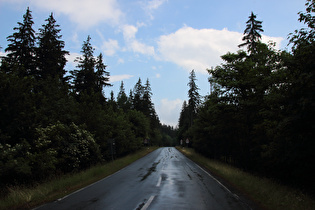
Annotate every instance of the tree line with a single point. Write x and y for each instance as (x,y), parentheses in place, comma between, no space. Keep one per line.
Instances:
(54,122)
(259,115)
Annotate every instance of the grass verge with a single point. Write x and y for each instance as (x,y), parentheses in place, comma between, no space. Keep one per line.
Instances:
(264,192)
(26,198)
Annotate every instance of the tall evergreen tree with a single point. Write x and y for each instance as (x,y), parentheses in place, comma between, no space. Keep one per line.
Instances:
(102,76)
(122,99)
(193,95)
(147,101)
(21,50)
(252,33)
(85,78)
(50,53)
(184,121)
(138,96)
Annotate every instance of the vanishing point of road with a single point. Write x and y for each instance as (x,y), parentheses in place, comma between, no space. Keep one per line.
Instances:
(164,179)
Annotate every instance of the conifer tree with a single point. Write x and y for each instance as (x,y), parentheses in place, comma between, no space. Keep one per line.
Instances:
(85,77)
(138,96)
(147,101)
(252,33)
(194,97)
(21,50)
(101,74)
(122,99)
(130,99)
(50,54)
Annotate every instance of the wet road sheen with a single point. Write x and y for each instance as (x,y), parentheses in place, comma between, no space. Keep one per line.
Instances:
(164,179)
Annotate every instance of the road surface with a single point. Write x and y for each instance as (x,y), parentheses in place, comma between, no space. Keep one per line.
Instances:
(164,179)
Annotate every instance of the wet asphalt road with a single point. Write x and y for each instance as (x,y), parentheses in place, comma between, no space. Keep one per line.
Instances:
(164,179)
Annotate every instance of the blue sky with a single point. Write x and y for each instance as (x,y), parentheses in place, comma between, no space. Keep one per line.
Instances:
(162,40)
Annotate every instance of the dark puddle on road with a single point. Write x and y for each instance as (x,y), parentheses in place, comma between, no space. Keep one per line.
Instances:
(150,170)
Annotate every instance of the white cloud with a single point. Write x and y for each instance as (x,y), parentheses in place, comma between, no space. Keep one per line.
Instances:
(152,5)
(199,49)
(120,60)
(157,75)
(129,33)
(84,13)
(278,40)
(142,48)
(71,57)
(169,110)
(110,47)
(116,78)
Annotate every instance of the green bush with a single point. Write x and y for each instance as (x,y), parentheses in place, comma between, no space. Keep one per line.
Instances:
(15,163)
(65,148)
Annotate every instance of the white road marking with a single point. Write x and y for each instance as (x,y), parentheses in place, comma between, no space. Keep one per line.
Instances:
(148,203)
(236,196)
(159,181)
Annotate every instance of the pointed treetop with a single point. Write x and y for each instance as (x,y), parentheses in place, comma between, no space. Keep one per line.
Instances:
(21,49)
(252,33)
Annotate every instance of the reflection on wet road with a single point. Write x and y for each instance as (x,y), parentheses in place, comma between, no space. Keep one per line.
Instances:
(164,179)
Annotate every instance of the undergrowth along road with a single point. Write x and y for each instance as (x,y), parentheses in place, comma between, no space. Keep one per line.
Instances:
(266,193)
(27,198)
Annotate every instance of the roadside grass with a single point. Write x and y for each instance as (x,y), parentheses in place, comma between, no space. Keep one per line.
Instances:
(27,198)
(266,193)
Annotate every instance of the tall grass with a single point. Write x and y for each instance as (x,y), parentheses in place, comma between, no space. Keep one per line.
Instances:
(264,192)
(26,198)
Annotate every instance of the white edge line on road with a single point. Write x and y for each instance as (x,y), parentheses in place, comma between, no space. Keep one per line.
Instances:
(148,203)
(236,196)
(60,199)
(159,181)
(88,186)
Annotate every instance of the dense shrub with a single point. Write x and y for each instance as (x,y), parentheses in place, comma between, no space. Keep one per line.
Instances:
(65,148)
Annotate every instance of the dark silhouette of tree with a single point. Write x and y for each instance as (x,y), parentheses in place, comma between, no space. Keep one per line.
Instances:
(21,50)
(102,76)
(50,54)
(252,33)
(91,75)
(138,91)
(122,99)
(193,97)
(148,105)
(184,121)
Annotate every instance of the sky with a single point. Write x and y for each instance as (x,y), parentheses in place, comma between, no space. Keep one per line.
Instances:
(159,40)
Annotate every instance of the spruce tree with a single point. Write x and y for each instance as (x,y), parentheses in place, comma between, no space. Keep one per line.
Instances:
(138,96)
(21,50)
(147,101)
(122,99)
(50,53)
(184,121)
(102,76)
(252,33)
(193,95)
(84,76)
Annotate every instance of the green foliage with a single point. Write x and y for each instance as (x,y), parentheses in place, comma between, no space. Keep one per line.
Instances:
(15,163)
(189,110)
(49,124)
(50,54)
(251,33)
(21,49)
(260,114)
(71,147)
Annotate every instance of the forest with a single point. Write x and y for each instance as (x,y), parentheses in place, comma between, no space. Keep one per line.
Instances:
(259,115)
(54,122)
